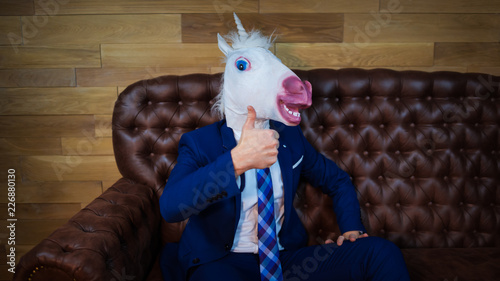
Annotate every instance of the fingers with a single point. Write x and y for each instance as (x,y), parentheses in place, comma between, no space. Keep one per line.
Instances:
(250,122)
(352,236)
(340,240)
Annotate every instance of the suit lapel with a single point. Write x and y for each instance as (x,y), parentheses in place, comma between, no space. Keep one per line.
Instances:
(228,143)
(285,160)
(228,140)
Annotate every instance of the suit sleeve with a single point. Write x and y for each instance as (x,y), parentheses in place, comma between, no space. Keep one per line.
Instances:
(196,182)
(333,181)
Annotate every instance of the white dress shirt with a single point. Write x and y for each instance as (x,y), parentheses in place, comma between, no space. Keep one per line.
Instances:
(245,239)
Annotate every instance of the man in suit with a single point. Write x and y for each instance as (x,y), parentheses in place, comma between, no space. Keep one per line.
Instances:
(207,187)
(235,181)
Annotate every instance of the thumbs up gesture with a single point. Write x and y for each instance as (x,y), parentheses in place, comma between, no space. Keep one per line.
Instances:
(257,148)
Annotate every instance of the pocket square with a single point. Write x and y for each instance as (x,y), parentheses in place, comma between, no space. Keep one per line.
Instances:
(298,162)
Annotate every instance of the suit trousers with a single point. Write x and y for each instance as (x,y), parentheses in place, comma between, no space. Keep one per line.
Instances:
(370,258)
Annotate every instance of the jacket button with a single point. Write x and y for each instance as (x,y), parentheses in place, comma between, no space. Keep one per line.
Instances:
(196,260)
(224,193)
(227,247)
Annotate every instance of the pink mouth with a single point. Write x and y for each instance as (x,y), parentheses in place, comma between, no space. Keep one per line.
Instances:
(297,95)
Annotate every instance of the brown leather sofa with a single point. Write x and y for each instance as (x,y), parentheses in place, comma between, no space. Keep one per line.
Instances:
(423,150)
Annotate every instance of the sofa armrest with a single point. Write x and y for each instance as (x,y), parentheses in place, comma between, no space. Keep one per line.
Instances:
(116,237)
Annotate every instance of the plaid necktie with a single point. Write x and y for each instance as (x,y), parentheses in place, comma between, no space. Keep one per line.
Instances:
(270,266)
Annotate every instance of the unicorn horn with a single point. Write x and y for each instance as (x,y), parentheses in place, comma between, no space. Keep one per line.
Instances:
(241,30)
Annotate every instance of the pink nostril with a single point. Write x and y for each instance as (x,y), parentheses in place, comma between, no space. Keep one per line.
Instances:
(293,85)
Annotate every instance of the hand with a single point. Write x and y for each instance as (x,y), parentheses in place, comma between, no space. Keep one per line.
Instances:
(350,235)
(257,148)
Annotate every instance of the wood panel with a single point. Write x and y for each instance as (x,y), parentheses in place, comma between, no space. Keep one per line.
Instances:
(443,6)
(376,28)
(50,56)
(42,211)
(155,7)
(468,54)
(318,6)
(46,126)
(305,28)
(493,70)
(160,55)
(123,76)
(10,162)
(9,25)
(89,145)
(26,77)
(16,7)
(55,192)
(69,167)
(355,55)
(30,146)
(30,232)
(103,125)
(57,101)
(98,29)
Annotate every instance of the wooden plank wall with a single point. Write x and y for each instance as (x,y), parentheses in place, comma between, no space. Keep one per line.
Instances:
(63,63)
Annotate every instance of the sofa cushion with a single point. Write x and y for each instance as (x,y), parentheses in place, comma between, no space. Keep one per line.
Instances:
(453,264)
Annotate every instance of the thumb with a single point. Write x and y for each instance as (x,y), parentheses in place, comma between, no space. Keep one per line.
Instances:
(250,122)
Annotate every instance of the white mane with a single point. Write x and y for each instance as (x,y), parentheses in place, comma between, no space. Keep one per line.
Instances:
(255,39)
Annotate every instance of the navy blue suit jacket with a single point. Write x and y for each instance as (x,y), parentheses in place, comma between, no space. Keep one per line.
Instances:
(203,188)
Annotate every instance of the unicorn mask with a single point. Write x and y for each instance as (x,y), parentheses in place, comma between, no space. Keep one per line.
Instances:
(255,76)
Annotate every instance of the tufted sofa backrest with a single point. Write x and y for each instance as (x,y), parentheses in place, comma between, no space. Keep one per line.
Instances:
(422,149)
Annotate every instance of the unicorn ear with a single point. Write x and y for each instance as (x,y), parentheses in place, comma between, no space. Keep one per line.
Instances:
(223,46)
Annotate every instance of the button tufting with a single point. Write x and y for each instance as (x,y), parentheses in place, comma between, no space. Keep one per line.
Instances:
(180,102)
(150,102)
(365,153)
(381,126)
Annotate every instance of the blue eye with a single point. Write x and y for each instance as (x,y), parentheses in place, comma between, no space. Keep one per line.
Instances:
(242,64)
